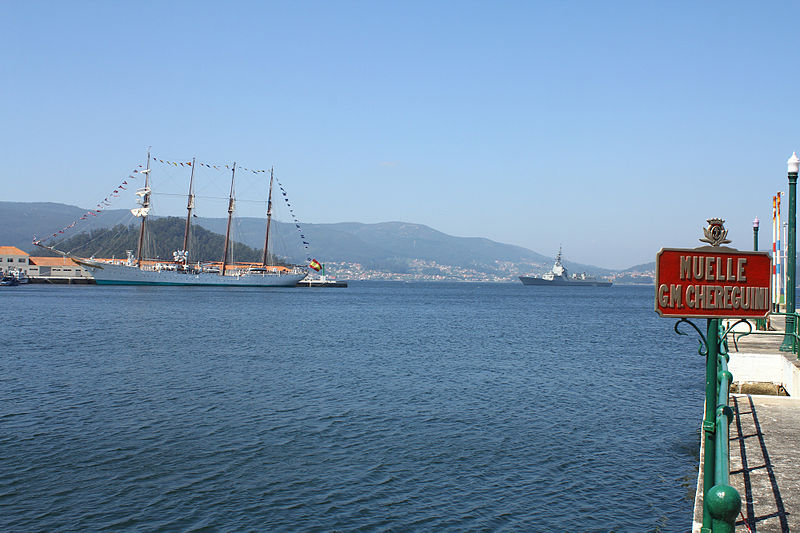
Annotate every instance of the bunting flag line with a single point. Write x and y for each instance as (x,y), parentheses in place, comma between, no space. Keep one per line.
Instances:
(254,171)
(95,211)
(207,165)
(296,222)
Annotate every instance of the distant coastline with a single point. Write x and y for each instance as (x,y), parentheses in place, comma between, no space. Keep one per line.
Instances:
(388,251)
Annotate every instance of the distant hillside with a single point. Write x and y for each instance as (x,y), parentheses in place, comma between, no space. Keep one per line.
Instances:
(389,246)
(644,267)
(19,221)
(372,244)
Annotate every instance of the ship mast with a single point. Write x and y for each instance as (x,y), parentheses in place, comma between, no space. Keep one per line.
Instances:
(269,217)
(228,230)
(143,210)
(189,207)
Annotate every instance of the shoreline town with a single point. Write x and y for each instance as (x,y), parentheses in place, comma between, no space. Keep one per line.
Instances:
(58,270)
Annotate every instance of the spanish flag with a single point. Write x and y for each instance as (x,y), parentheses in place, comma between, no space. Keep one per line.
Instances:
(315,265)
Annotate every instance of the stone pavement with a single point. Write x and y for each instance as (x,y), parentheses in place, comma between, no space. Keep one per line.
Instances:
(765,461)
(762,342)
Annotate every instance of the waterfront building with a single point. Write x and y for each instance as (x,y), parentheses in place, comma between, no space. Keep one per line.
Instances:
(12,258)
(46,268)
(55,268)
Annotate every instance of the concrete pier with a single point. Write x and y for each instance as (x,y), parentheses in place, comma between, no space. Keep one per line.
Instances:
(765,461)
(63,280)
(764,434)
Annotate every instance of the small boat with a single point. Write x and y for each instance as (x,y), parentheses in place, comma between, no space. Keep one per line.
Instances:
(322,280)
(558,276)
(8,281)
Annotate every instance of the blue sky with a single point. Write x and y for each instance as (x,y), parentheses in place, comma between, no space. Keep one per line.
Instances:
(611,128)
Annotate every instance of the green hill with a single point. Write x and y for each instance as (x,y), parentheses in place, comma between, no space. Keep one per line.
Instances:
(164,236)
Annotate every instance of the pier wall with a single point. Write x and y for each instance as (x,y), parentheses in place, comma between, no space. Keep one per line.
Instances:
(779,369)
(74,280)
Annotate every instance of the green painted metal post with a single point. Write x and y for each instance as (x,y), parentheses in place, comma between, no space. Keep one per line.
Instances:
(723,501)
(709,420)
(761,324)
(755,234)
(789,340)
(725,504)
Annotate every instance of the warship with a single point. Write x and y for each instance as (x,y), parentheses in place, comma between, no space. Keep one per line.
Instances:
(558,275)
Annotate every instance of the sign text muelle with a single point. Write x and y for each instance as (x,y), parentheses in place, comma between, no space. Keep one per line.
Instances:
(712,282)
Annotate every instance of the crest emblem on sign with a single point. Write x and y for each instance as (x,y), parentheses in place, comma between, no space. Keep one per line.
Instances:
(715,233)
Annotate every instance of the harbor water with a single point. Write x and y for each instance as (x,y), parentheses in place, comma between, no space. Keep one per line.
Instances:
(381,407)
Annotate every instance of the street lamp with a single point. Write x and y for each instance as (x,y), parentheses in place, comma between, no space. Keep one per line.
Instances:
(761,324)
(788,345)
(755,234)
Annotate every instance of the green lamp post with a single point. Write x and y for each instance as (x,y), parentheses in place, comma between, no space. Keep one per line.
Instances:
(755,234)
(791,255)
(761,324)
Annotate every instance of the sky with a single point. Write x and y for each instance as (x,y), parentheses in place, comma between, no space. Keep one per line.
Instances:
(610,128)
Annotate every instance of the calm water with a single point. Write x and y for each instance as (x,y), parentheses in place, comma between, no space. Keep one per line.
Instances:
(384,406)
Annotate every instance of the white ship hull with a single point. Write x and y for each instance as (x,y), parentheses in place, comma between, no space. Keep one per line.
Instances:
(108,274)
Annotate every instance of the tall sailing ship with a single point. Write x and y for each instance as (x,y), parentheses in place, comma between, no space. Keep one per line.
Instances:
(137,270)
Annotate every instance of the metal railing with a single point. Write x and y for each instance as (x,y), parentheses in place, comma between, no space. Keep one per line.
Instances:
(722,503)
(791,342)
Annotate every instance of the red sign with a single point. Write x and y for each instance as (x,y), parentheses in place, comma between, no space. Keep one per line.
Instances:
(712,282)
